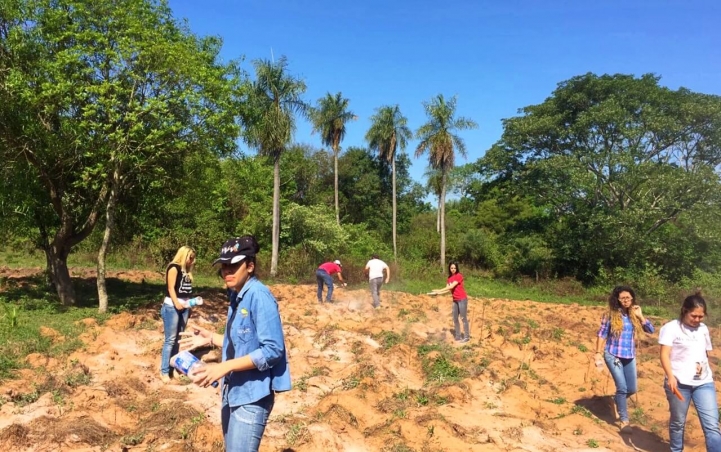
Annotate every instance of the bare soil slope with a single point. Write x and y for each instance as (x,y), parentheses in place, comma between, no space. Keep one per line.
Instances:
(390,379)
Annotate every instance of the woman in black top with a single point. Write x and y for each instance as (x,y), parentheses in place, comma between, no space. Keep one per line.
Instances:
(178,290)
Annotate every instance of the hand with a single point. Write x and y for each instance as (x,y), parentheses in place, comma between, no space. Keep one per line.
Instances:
(672,383)
(199,337)
(636,310)
(345,284)
(206,375)
(386,281)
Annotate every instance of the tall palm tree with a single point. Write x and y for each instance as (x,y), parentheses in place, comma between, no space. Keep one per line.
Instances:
(329,119)
(268,116)
(438,139)
(389,131)
(433,184)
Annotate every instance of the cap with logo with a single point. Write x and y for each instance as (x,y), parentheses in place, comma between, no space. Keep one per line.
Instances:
(337,262)
(236,249)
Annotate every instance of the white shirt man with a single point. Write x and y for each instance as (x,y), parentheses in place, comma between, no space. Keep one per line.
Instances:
(375,269)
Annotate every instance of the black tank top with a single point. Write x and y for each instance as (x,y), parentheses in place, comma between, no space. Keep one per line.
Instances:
(183,285)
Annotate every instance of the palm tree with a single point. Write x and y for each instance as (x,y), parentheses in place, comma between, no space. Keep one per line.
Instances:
(329,119)
(273,101)
(437,138)
(389,130)
(433,185)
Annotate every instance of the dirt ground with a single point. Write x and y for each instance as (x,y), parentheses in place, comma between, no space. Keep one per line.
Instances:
(390,379)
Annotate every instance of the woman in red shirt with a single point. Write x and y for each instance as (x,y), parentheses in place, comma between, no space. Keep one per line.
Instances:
(460,301)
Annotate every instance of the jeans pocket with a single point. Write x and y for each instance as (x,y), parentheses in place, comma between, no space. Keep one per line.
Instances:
(250,414)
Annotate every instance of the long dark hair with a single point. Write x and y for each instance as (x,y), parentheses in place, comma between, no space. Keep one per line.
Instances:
(690,303)
(458,269)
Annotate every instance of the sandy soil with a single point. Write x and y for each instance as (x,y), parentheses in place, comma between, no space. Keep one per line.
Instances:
(362,382)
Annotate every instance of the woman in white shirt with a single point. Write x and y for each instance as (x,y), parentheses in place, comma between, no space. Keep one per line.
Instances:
(685,344)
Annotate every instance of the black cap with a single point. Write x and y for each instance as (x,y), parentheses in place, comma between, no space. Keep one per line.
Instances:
(236,249)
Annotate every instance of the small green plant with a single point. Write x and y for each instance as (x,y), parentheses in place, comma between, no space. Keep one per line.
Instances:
(583,411)
(592,443)
(558,400)
(296,434)
(132,439)
(582,348)
(557,333)
(490,405)
(430,430)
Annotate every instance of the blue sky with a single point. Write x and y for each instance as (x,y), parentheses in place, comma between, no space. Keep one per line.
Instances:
(496,56)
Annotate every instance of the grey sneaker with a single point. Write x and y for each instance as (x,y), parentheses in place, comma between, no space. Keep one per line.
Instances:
(625,427)
(465,339)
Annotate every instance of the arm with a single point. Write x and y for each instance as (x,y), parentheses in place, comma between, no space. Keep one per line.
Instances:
(602,335)
(447,289)
(340,277)
(388,274)
(172,277)
(645,323)
(666,364)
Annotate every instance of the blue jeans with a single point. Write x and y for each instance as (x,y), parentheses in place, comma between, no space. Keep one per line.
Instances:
(704,399)
(323,277)
(243,425)
(623,371)
(174,322)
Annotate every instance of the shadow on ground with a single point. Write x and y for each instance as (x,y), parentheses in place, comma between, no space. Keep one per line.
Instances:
(638,439)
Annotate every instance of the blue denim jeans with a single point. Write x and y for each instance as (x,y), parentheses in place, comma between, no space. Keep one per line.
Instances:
(174,322)
(243,425)
(623,371)
(323,277)
(704,399)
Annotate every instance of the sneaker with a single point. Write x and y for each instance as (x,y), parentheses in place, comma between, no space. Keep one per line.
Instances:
(464,340)
(625,427)
(165,378)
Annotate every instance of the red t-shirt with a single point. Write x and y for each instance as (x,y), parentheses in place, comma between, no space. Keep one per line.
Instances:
(331,267)
(458,292)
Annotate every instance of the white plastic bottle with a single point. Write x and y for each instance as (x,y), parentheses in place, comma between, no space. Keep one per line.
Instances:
(186,363)
(195,301)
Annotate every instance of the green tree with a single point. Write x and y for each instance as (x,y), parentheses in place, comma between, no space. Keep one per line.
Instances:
(95,102)
(329,119)
(269,119)
(389,131)
(621,162)
(439,140)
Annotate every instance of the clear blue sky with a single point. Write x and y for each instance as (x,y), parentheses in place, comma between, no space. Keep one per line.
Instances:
(496,56)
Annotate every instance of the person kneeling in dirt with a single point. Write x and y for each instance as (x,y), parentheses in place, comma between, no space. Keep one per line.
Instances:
(324,275)
(255,365)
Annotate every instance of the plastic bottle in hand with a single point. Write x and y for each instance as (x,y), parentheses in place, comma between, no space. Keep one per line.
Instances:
(187,363)
(600,363)
(195,301)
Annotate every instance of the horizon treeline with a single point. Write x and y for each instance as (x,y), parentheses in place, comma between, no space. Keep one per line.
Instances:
(119,133)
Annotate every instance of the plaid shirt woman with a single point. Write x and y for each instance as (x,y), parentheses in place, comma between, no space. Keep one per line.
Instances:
(616,337)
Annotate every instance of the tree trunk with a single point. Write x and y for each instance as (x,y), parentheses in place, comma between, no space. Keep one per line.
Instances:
(102,253)
(393,177)
(276,216)
(442,211)
(56,256)
(335,164)
(438,215)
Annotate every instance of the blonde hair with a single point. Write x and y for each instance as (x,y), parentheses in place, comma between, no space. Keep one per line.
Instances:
(615,311)
(181,258)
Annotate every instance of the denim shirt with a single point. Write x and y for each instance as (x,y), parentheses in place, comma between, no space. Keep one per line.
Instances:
(254,328)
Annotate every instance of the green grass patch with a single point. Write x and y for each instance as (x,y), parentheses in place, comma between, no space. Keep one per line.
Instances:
(439,364)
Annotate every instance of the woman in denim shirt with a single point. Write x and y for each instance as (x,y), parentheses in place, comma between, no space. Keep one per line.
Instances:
(254,365)
(618,332)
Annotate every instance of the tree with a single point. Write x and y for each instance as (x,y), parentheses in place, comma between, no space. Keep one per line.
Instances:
(388,132)
(269,119)
(621,162)
(438,139)
(95,100)
(329,119)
